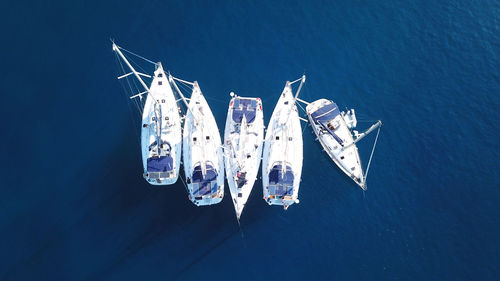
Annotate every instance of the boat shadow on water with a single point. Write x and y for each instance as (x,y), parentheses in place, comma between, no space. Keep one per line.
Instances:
(159,219)
(318,162)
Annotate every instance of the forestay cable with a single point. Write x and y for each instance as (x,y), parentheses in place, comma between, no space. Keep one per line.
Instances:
(139,56)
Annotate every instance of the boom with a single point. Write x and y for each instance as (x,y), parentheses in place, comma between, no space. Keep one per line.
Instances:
(362,135)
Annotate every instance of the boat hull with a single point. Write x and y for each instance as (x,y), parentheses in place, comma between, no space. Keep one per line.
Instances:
(161,123)
(243,142)
(345,156)
(283,153)
(202,153)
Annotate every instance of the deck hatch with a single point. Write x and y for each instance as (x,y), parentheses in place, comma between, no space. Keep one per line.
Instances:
(325,113)
(244,107)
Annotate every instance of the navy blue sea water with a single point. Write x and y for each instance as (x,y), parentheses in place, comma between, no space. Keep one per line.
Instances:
(73,202)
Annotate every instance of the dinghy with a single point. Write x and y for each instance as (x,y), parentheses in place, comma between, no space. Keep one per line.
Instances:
(282,157)
(333,130)
(161,138)
(202,149)
(243,138)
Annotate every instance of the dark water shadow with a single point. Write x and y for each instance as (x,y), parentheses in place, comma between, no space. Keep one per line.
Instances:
(167,216)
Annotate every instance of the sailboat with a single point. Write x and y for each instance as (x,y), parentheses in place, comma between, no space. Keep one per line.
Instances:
(202,154)
(161,136)
(243,138)
(282,157)
(333,130)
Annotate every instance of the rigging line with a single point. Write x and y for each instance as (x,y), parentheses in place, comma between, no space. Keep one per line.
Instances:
(267,99)
(139,56)
(129,106)
(185,185)
(186,88)
(138,66)
(298,103)
(305,126)
(134,122)
(214,99)
(183,81)
(128,81)
(373,150)
(130,87)
(136,102)
(306,93)
(125,91)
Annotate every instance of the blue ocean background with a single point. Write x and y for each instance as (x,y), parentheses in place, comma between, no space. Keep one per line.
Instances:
(74,205)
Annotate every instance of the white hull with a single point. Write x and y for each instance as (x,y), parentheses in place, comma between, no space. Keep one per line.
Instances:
(282,157)
(161,155)
(243,138)
(203,155)
(338,146)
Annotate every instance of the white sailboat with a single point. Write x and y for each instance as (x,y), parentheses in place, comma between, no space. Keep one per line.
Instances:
(243,139)
(202,153)
(282,157)
(333,130)
(161,138)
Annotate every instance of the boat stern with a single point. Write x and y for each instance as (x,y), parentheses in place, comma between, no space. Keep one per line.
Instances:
(284,201)
(160,170)
(161,178)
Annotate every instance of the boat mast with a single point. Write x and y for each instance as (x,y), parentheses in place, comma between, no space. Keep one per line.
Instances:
(202,137)
(116,48)
(302,81)
(241,142)
(138,75)
(289,84)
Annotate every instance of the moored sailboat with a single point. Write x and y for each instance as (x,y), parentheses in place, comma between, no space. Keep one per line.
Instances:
(282,157)
(333,130)
(202,154)
(243,139)
(161,136)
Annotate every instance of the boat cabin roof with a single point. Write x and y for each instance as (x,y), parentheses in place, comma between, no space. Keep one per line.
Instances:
(325,113)
(244,107)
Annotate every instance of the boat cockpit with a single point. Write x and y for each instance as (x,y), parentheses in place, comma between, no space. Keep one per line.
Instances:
(325,117)
(204,183)
(160,165)
(280,181)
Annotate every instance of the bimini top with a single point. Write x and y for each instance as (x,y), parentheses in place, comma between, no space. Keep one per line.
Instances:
(280,183)
(325,113)
(203,185)
(160,164)
(247,107)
